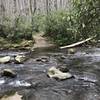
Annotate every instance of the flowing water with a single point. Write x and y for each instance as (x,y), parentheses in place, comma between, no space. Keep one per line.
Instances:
(33,83)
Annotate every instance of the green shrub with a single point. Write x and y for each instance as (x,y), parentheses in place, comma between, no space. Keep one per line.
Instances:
(81,22)
(17,31)
(60,26)
(38,22)
(88,17)
(20,28)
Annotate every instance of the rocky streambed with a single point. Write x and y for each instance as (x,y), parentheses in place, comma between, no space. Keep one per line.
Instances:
(32,82)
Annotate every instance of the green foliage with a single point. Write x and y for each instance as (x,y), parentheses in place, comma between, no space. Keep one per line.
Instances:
(81,22)
(60,26)
(21,28)
(38,22)
(17,30)
(88,17)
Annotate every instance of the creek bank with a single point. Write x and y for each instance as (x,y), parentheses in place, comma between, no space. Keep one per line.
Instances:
(19,58)
(20,45)
(38,41)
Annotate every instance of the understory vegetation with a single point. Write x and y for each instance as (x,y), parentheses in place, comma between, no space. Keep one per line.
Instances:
(83,21)
(21,28)
(63,27)
(18,33)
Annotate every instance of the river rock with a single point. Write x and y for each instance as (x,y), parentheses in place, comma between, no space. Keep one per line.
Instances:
(63,57)
(71,51)
(5,59)
(63,68)
(56,73)
(43,59)
(8,73)
(20,58)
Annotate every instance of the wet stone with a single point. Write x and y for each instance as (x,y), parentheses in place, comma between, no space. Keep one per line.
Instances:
(9,73)
(38,59)
(43,59)
(63,57)
(57,74)
(5,59)
(20,58)
(71,51)
(63,68)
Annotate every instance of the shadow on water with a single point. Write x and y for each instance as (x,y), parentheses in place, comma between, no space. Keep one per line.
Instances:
(33,84)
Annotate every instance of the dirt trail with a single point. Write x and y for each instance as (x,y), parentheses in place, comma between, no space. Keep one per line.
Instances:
(41,41)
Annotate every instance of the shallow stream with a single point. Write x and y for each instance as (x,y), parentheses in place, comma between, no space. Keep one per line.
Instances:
(33,83)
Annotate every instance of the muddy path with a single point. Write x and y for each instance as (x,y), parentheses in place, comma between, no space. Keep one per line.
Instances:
(41,41)
(33,83)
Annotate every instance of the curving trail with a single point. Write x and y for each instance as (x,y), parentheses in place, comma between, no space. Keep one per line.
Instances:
(41,41)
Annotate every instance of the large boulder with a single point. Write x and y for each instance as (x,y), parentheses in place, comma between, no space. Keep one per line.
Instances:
(56,73)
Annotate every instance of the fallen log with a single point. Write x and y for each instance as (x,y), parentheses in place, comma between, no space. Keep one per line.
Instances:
(78,43)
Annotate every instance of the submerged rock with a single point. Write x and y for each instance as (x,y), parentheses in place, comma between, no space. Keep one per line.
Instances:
(38,59)
(56,73)
(43,59)
(5,59)
(63,57)
(20,58)
(63,68)
(9,73)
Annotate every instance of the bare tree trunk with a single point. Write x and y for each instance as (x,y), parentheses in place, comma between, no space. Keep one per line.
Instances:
(2,11)
(15,10)
(35,6)
(55,4)
(61,3)
(47,2)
